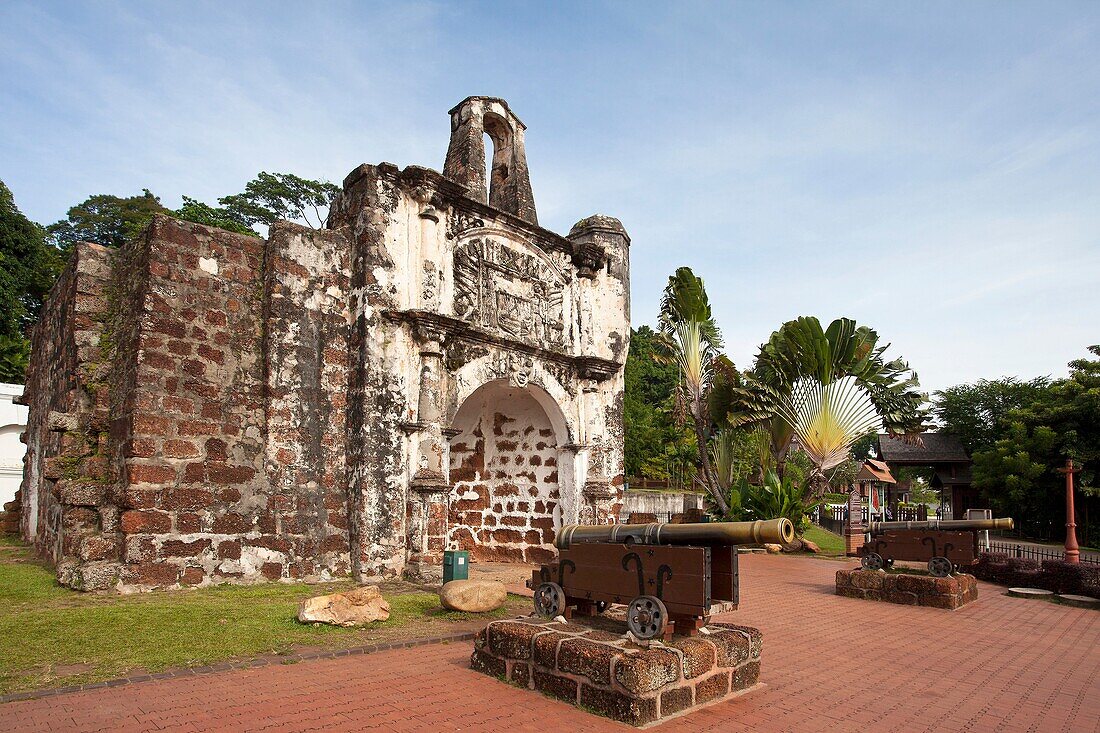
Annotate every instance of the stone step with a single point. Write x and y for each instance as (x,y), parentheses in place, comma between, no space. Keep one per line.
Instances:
(1030,593)
(1071,599)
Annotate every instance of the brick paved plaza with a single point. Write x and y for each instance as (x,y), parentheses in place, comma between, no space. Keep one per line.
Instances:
(830,664)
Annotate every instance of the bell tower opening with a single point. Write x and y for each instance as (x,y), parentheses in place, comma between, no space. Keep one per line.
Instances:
(501,180)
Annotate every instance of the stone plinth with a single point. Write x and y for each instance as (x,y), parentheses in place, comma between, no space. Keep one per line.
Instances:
(598,668)
(908,589)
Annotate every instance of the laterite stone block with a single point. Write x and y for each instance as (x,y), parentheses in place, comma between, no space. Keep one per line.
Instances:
(908,589)
(593,664)
(617,706)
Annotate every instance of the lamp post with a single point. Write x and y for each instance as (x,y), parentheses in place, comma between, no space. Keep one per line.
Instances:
(1073,554)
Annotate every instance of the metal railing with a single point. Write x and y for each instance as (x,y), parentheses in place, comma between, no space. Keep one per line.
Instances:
(1035,552)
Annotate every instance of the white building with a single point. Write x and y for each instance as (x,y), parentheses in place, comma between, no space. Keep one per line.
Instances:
(13,421)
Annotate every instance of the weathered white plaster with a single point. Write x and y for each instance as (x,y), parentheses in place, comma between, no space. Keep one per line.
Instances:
(208,264)
(13,421)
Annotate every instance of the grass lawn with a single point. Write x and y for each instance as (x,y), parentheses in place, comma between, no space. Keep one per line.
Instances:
(829,542)
(51,636)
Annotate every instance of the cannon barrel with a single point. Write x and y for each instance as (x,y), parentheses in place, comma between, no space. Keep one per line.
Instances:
(951,524)
(778,531)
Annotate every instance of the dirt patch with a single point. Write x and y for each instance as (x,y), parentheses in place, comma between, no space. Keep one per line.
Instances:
(71,670)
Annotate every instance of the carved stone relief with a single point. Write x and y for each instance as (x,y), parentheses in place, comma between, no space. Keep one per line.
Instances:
(516,368)
(506,290)
(459,222)
(431,281)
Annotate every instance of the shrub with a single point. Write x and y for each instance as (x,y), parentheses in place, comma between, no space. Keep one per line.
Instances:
(1053,575)
(775,498)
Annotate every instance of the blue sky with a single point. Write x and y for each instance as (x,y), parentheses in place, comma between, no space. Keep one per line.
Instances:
(930,169)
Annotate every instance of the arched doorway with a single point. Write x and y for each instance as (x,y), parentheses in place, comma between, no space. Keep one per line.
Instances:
(504,472)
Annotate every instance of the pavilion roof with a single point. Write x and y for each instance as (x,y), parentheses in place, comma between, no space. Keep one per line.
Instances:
(929,449)
(872,470)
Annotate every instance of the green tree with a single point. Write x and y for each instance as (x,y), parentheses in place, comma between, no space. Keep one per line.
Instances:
(213,216)
(1019,449)
(861,449)
(1015,472)
(271,197)
(105,219)
(974,413)
(28,268)
(15,352)
(1071,407)
(655,446)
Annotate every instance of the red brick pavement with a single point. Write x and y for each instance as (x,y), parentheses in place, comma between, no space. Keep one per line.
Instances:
(830,664)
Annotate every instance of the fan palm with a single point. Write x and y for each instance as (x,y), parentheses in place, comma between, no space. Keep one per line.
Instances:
(690,337)
(828,418)
(827,388)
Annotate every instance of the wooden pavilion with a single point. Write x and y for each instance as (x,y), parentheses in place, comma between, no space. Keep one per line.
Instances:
(947,458)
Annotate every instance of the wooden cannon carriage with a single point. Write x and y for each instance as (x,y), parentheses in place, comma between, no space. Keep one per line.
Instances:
(946,545)
(667,574)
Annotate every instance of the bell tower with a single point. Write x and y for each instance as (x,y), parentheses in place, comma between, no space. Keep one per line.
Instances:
(509,187)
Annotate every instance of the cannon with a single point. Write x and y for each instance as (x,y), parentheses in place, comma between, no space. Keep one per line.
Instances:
(667,574)
(946,545)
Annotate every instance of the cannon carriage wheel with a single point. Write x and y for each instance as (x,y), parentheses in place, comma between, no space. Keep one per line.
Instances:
(647,617)
(549,600)
(940,567)
(872,561)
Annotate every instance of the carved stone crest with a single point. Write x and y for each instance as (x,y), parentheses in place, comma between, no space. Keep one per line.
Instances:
(505,289)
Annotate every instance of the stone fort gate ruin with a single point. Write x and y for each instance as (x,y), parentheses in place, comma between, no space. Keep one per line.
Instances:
(433,370)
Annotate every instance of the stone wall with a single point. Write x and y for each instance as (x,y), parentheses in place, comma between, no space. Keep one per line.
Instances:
(67,507)
(306,380)
(173,449)
(194,498)
(661,503)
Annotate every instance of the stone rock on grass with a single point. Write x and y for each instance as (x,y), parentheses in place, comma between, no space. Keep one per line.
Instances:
(360,606)
(794,545)
(474,596)
(810,546)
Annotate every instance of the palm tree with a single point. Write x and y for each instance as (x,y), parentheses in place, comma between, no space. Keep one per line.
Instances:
(690,337)
(827,388)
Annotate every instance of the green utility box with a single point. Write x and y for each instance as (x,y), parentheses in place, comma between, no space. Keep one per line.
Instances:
(456,565)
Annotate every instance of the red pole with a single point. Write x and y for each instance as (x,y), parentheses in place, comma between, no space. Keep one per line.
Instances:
(1073,553)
